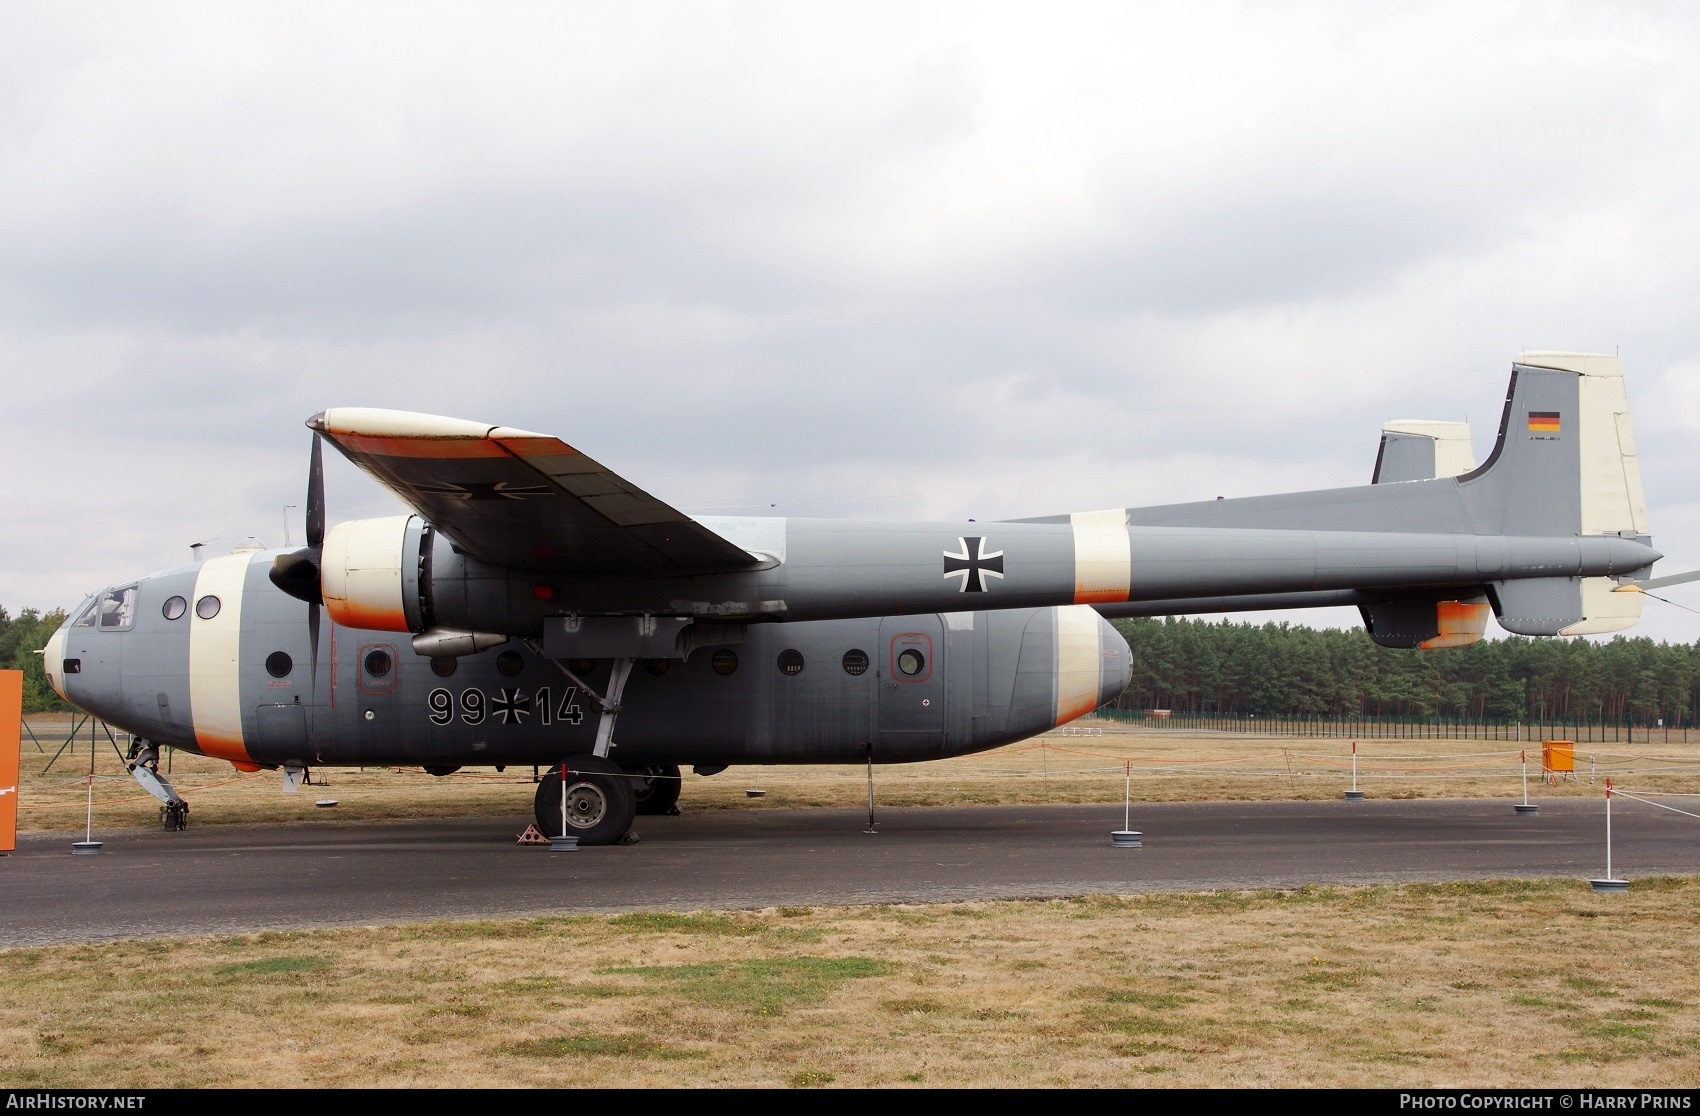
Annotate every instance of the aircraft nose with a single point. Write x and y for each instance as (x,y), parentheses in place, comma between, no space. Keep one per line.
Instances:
(53,662)
(1116,663)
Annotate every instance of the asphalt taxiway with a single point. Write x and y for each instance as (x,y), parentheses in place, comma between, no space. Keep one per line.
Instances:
(219,879)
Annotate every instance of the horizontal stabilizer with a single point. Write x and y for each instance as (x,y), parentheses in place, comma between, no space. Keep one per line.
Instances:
(1658,582)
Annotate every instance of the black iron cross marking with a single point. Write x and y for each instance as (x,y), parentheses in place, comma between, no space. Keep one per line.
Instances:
(972,565)
(511,706)
(487,490)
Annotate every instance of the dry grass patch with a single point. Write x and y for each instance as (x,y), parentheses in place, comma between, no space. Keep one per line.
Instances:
(1492,983)
(1059,767)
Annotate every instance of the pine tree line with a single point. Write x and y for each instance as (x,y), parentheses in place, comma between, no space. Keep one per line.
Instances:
(1197,666)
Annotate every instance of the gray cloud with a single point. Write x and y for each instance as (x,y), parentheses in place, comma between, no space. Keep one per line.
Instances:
(943,259)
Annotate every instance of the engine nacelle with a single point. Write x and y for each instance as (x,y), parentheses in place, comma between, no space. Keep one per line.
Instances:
(373,574)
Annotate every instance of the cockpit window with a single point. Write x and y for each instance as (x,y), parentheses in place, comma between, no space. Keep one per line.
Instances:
(118,608)
(85,619)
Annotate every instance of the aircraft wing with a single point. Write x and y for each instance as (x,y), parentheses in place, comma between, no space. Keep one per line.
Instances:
(523,500)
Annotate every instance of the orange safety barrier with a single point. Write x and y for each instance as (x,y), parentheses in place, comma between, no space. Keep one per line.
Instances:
(11,747)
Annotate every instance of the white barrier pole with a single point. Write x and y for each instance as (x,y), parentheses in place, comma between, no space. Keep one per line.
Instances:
(88,846)
(1127,837)
(1611,882)
(1354,795)
(565,842)
(1526,807)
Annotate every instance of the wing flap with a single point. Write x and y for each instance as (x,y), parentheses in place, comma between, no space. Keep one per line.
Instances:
(523,500)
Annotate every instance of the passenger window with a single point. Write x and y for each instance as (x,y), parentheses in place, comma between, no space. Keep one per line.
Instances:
(118,608)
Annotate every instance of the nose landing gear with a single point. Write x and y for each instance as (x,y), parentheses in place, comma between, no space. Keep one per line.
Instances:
(143,763)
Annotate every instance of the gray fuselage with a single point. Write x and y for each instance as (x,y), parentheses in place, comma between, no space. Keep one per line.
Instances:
(240,684)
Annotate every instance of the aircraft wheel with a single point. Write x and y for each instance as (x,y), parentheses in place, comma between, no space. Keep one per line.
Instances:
(656,788)
(600,805)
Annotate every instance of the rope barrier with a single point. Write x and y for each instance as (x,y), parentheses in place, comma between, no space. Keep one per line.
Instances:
(140,797)
(1620,792)
(1398,767)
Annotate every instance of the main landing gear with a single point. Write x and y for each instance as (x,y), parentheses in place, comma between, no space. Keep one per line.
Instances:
(597,805)
(656,788)
(592,797)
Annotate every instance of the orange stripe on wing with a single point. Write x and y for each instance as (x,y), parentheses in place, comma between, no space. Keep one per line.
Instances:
(437,448)
(536,447)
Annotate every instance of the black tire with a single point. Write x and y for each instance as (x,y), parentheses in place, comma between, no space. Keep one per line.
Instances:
(600,806)
(656,788)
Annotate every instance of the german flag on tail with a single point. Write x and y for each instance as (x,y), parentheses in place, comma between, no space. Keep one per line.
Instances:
(1543,422)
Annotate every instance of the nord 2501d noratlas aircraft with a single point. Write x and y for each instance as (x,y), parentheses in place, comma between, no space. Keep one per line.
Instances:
(537,609)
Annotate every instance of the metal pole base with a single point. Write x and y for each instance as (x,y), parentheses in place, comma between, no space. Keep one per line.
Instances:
(1127,839)
(1526,808)
(85,848)
(1354,796)
(563,844)
(1610,885)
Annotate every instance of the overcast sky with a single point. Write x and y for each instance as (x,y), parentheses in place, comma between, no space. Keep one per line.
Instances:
(906,260)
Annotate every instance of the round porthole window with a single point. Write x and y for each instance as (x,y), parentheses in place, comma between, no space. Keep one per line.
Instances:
(509,663)
(443,667)
(378,663)
(657,667)
(207,607)
(910,662)
(790,661)
(725,661)
(174,608)
(855,661)
(279,664)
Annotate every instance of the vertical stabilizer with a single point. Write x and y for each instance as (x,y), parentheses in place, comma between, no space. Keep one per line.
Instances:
(1564,464)
(1422,449)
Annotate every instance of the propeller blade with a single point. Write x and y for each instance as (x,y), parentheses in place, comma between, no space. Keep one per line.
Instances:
(316,496)
(313,649)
